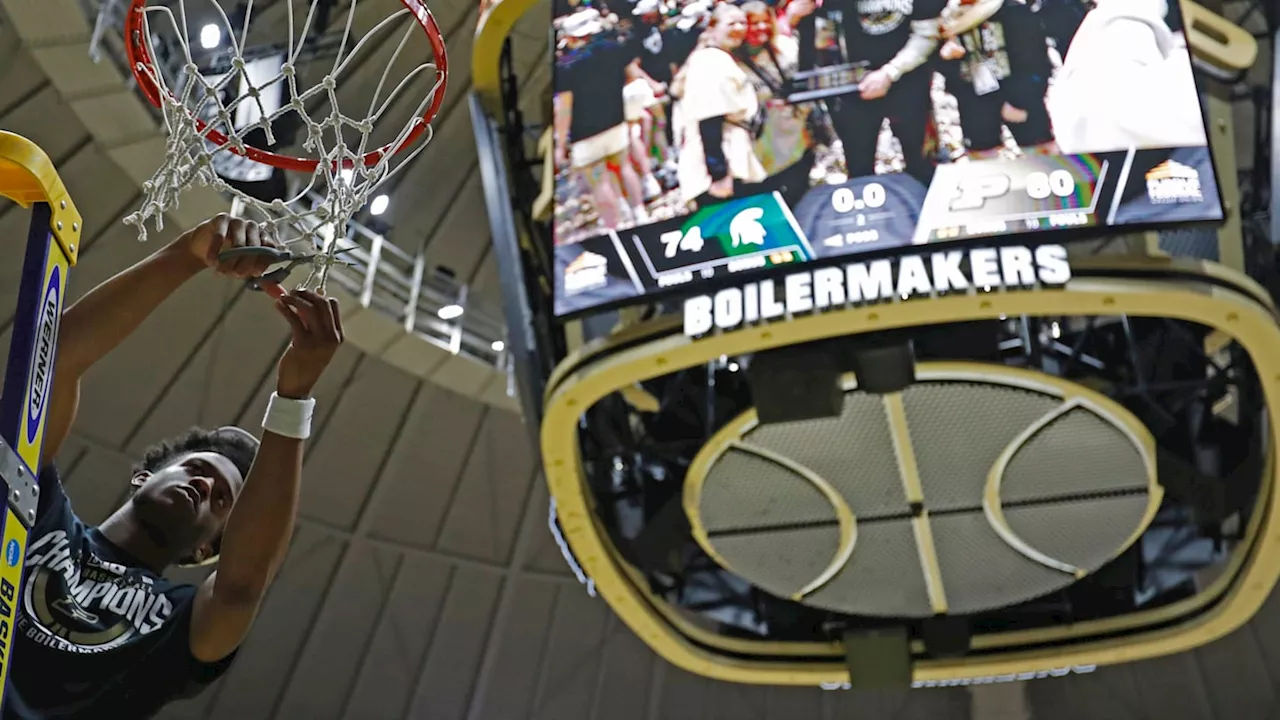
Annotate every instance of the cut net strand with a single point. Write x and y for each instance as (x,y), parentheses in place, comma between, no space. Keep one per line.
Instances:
(200,125)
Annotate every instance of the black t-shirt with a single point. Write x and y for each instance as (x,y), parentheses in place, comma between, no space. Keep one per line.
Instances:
(1007,51)
(875,30)
(98,636)
(595,74)
(660,49)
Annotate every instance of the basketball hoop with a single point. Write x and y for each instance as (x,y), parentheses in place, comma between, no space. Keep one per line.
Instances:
(205,116)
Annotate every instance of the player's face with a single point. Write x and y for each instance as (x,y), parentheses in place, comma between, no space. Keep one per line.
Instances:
(731,27)
(759,29)
(188,502)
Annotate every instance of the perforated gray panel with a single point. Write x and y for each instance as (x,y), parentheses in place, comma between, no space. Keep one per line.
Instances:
(882,579)
(1050,493)
(745,490)
(1078,453)
(853,452)
(959,429)
(980,572)
(781,562)
(1084,533)
(1191,242)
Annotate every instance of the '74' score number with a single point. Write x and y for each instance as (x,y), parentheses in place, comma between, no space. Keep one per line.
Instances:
(973,193)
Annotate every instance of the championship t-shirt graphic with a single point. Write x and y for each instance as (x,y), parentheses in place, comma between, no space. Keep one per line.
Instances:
(869,32)
(88,606)
(879,17)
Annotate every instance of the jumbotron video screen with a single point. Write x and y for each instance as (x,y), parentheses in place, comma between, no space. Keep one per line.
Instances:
(697,140)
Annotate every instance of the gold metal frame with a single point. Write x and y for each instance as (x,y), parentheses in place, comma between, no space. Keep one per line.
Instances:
(596,371)
(1071,395)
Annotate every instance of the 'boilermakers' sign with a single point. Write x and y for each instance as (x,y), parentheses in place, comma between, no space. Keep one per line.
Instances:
(860,283)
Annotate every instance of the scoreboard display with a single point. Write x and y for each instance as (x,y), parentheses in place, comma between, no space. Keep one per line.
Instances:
(644,208)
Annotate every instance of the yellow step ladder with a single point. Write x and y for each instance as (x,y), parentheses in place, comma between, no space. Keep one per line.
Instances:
(28,177)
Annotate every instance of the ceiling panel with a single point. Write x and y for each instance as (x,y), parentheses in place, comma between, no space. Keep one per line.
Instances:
(519,653)
(546,555)
(492,492)
(683,696)
(1235,678)
(423,472)
(567,675)
(322,677)
(1110,693)
(99,483)
(227,372)
(628,671)
(19,74)
(43,118)
(398,648)
(443,687)
(1265,631)
(367,417)
(460,241)
(121,390)
(1172,687)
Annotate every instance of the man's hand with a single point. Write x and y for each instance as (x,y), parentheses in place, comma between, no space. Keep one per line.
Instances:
(798,9)
(875,84)
(562,154)
(952,50)
(223,232)
(1011,114)
(317,334)
(722,188)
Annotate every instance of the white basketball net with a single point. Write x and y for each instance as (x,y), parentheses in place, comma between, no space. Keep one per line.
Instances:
(190,153)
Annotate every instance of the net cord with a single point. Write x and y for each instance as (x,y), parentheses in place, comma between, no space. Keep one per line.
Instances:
(348,179)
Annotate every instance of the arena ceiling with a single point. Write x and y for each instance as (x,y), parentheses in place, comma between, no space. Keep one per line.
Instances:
(423,581)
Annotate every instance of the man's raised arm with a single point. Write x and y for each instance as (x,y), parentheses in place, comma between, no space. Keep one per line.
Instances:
(258,531)
(98,322)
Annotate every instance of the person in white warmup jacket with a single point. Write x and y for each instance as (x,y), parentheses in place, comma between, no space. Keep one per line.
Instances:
(1126,82)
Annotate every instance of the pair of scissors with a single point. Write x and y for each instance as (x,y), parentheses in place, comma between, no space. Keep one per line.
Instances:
(283,263)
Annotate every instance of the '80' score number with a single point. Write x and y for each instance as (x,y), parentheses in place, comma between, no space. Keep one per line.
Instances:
(973,193)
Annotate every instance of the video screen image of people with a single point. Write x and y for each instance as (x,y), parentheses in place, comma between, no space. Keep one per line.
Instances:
(663,107)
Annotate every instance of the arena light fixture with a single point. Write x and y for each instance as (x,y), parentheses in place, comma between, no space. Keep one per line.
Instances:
(210,36)
(498,346)
(450,312)
(379,205)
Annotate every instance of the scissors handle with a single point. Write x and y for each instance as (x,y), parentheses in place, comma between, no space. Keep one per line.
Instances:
(269,279)
(256,251)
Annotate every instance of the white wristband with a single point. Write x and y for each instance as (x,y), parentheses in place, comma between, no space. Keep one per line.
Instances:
(288,417)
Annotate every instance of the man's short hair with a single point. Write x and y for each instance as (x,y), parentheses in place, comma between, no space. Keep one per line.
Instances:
(234,444)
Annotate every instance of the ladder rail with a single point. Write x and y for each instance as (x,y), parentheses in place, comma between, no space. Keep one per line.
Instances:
(28,177)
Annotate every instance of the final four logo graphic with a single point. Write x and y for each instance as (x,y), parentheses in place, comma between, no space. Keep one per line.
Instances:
(1171,182)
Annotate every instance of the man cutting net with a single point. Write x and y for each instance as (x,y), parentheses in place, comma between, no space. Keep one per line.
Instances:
(101,633)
